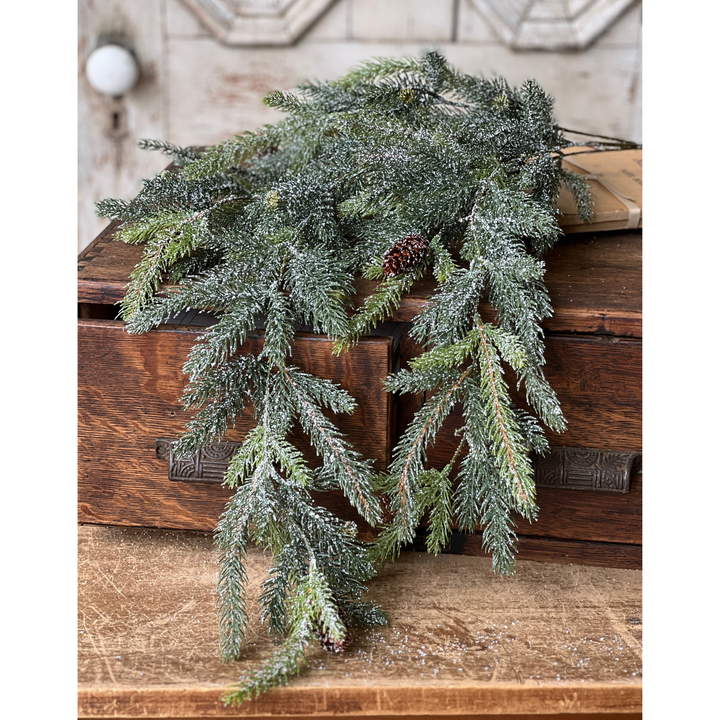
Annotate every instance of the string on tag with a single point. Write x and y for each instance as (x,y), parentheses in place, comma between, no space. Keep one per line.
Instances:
(634,211)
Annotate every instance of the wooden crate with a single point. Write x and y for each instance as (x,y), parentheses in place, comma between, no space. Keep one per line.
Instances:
(129,386)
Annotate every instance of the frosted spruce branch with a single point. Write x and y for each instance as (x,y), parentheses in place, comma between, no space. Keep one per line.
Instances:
(267,231)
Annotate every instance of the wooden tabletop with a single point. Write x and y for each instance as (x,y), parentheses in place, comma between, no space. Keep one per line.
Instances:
(560,641)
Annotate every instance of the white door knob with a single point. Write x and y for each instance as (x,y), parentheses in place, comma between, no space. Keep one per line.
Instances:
(112,70)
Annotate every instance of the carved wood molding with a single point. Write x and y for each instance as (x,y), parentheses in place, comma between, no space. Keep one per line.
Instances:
(550,24)
(257,22)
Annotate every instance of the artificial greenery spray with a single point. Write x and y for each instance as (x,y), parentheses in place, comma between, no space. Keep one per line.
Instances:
(401,169)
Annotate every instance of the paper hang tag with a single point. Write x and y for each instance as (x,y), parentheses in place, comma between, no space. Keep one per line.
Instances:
(634,212)
(615,177)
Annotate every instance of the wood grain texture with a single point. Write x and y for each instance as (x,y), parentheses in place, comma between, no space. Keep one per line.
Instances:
(594,281)
(552,639)
(599,386)
(104,268)
(601,554)
(588,527)
(454,701)
(588,515)
(544,549)
(513,716)
(540,549)
(595,284)
(128,389)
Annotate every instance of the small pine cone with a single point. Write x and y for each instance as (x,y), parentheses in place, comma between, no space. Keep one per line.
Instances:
(404,255)
(327,643)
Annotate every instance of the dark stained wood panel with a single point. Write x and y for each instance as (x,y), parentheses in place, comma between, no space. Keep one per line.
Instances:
(601,554)
(607,527)
(544,549)
(128,397)
(599,384)
(595,282)
(588,515)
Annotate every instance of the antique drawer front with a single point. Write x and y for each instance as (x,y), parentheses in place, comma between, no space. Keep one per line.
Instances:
(599,384)
(128,388)
(128,399)
(584,493)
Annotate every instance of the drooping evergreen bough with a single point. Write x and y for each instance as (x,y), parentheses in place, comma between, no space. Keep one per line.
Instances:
(267,231)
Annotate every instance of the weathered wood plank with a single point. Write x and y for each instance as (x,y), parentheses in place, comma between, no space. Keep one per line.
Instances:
(229,83)
(595,284)
(393,702)
(551,639)
(600,76)
(513,716)
(402,20)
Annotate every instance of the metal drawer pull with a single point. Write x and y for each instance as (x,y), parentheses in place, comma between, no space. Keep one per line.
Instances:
(585,469)
(209,465)
(562,467)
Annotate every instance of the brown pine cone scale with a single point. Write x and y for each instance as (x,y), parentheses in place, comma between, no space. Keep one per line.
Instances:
(327,643)
(404,255)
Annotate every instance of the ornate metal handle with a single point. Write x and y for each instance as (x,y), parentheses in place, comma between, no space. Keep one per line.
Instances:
(562,467)
(585,469)
(209,465)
